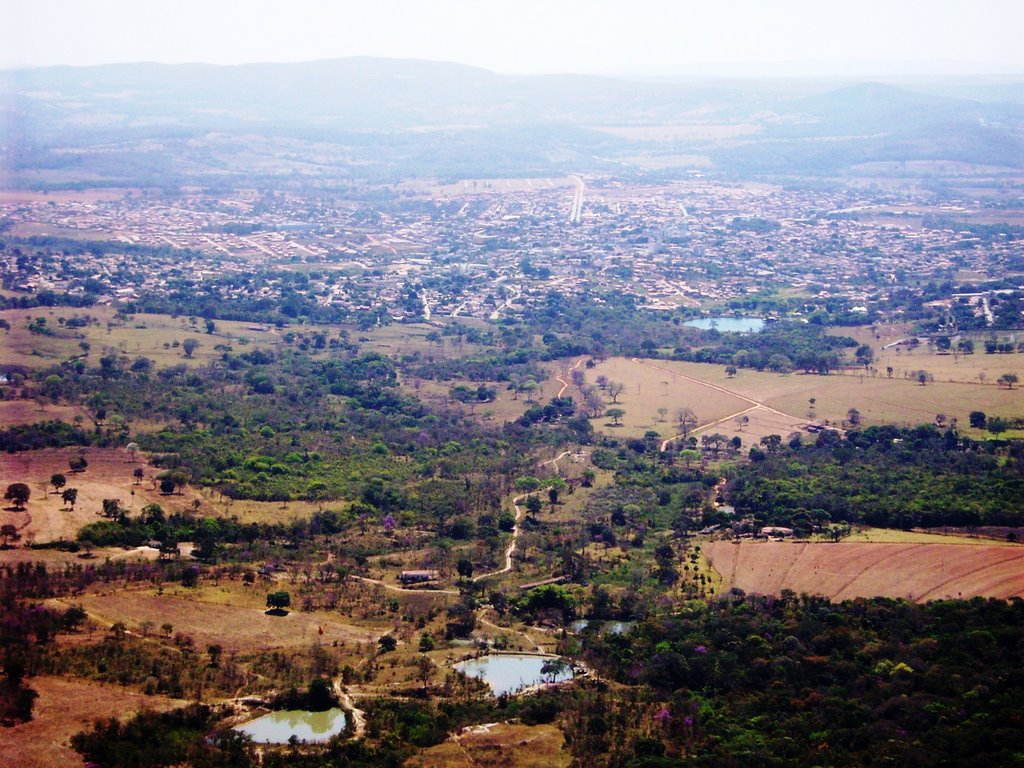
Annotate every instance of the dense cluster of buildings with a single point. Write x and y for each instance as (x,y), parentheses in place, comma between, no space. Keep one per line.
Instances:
(484,251)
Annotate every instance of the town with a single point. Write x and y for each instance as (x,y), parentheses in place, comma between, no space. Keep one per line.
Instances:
(487,249)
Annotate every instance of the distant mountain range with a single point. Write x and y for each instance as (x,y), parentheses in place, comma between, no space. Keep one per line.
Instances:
(386,117)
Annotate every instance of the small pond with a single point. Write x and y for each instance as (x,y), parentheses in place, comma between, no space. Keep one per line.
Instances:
(278,727)
(728,324)
(510,672)
(604,627)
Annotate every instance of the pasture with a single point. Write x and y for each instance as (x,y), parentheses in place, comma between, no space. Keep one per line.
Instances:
(650,387)
(18,412)
(161,338)
(781,403)
(157,337)
(109,475)
(66,706)
(226,613)
(494,745)
(844,570)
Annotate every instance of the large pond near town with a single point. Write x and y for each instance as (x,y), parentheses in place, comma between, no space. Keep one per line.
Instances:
(279,727)
(511,672)
(728,324)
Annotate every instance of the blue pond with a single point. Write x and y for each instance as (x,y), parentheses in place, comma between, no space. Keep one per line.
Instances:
(728,324)
(510,672)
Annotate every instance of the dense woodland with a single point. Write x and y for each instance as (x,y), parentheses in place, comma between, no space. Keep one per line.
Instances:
(884,476)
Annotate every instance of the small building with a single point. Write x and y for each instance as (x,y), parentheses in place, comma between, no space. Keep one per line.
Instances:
(417,577)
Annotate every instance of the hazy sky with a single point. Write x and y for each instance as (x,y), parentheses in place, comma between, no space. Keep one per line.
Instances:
(646,37)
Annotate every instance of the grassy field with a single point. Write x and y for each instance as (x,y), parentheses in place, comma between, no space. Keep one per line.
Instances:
(228,613)
(141,336)
(785,400)
(648,388)
(505,407)
(146,335)
(893,536)
(498,745)
(15,412)
(844,570)
(66,706)
(108,476)
(944,367)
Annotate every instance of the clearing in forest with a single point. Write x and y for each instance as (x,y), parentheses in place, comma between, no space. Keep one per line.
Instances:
(66,706)
(507,745)
(844,570)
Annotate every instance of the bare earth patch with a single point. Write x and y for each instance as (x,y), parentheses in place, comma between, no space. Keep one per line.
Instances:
(498,744)
(65,707)
(108,476)
(845,570)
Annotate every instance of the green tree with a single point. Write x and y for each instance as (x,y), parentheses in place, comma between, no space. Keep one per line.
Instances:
(70,496)
(189,346)
(387,644)
(526,484)
(615,414)
(58,481)
(533,505)
(18,493)
(277,602)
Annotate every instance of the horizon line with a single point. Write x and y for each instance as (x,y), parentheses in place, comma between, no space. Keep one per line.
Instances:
(749,70)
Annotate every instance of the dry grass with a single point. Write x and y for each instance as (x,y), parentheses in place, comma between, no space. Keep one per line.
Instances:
(505,407)
(844,570)
(223,615)
(944,366)
(504,745)
(142,336)
(65,707)
(108,476)
(894,536)
(649,387)
(16,412)
(879,399)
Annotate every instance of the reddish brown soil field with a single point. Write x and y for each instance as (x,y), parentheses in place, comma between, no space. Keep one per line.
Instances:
(64,708)
(845,570)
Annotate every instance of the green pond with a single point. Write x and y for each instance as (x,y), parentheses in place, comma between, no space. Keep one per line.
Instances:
(279,727)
